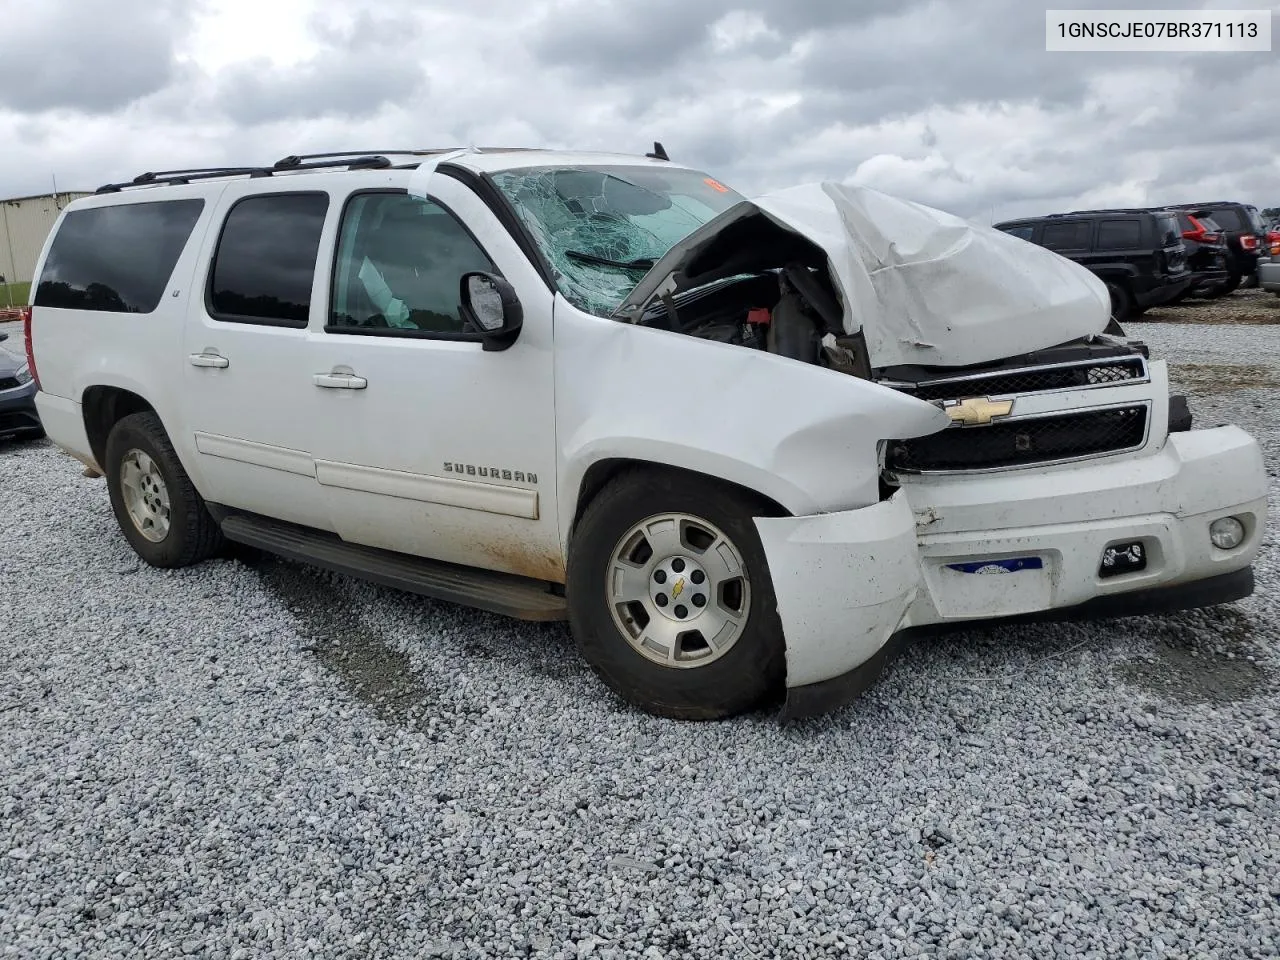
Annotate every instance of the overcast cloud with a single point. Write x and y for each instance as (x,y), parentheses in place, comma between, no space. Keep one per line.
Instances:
(953,104)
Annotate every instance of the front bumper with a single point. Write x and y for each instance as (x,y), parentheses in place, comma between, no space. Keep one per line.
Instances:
(18,415)
(849,582)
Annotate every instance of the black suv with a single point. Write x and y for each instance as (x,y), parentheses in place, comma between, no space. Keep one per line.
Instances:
(1246,238)
(1138,253)
(1207,254)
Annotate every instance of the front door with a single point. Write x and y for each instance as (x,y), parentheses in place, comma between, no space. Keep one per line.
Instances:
(426,443)
(248,382)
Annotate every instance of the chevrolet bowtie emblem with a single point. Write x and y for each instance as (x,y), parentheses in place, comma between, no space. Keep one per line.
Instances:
(976,411)
(678,588)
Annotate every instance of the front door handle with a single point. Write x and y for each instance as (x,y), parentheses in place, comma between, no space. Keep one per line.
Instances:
(340,381)
(208,359)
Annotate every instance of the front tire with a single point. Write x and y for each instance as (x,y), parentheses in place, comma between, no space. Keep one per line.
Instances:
(156,505)
(670,597)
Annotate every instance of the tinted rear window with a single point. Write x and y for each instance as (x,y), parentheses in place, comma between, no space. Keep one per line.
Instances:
(1167,230)
(1119,234)
(1255,218)
(1066,236)
(1229,218)
(266,259)
(118,258)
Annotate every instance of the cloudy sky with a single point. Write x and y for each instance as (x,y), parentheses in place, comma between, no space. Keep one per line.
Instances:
(955,104)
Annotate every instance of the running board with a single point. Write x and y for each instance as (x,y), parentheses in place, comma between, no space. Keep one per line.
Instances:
(502,593)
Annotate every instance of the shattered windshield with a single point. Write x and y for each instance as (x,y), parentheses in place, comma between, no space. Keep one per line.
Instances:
(602,228)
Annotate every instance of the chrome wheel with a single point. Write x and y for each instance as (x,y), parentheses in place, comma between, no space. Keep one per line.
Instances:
(678,590)
(146,498)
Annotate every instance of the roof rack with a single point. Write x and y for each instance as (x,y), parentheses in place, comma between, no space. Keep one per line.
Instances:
(1081,213)
(350,159)
(286,165)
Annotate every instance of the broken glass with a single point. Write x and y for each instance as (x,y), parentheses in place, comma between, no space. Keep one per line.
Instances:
(602,228)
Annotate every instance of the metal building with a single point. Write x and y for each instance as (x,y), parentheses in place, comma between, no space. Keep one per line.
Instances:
(25,223)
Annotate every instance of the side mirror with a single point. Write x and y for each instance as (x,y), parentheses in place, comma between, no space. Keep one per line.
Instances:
(490,304)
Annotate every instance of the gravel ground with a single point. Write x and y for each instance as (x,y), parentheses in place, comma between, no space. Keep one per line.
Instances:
(1239,307)
(252,759)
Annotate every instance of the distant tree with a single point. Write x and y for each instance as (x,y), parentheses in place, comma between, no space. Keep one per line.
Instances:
(1271,214)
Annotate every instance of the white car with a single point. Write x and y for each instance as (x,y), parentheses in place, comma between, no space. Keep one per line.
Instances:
(744,447)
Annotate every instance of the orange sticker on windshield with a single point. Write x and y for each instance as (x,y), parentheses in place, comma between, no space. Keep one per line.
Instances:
(716,185)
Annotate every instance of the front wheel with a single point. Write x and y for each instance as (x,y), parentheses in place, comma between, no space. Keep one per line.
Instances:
(156,505)
(670,598)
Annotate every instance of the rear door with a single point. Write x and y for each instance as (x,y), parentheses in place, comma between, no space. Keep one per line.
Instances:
(248,389)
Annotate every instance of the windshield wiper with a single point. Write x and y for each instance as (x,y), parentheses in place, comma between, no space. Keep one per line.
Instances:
(641,264)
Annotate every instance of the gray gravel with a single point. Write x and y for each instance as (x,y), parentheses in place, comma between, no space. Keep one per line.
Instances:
(252,759)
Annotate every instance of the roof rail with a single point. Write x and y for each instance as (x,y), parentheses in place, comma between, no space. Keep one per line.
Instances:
(293,162)
(289,164)
(351,159)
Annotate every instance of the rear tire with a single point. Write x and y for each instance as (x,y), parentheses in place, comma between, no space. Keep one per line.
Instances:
(1227,286)
(645,579)
(156,505)
(1121,303)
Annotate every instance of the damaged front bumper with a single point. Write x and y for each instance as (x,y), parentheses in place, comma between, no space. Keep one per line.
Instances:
(853,586)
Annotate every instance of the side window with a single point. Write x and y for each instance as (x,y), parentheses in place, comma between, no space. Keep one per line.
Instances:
(1022,233)
(1072,235)
(1119,234)
(400,259)
(266,259)
(116,259)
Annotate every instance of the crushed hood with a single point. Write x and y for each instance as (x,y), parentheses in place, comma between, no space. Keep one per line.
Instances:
(922,286)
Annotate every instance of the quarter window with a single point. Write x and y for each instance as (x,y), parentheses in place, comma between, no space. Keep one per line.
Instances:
(116,259)
(1119,234)
(1022,233)
(266,259)
(400,260)
(1066,236)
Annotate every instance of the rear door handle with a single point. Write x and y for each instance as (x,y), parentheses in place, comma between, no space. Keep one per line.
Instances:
(208,360)
(340,381)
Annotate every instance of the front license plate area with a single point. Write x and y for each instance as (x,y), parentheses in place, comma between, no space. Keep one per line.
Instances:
(991,586)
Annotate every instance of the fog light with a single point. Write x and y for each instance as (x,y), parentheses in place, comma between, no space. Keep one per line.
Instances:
(1121,558)
(1227,533)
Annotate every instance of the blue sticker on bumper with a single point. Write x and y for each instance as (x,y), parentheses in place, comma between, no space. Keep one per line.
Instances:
(999,566)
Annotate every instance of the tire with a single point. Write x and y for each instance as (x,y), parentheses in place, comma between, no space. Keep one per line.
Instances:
(1227,286)
(1121,302)
(141,465)
(697,683)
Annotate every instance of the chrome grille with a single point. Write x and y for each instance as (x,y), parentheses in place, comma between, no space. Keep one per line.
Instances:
(1031,380)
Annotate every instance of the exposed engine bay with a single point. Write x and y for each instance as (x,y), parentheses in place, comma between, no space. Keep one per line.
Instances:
(795,312)
(792,311)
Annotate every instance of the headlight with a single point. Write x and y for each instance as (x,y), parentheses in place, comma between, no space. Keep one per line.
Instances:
(24,374)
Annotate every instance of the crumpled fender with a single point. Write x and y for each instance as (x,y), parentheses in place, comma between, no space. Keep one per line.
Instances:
(804,436)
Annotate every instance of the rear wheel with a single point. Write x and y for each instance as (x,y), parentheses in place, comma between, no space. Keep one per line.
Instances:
(156,505)
(670,598)
(1224,288)
(1121,302)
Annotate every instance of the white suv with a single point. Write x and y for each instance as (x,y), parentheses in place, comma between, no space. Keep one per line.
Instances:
(742,446)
